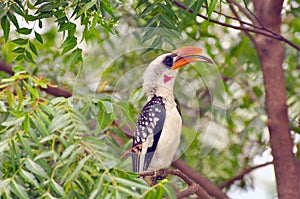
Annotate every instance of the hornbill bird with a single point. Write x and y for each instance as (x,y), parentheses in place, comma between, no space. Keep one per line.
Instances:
(158,129)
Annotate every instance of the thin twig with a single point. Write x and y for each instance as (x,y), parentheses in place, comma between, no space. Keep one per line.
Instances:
(241,175)
(239,19)
(250,12)
(233,18)
(243,10)
(266,32)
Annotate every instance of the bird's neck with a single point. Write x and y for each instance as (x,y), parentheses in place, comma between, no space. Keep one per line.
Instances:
(159,90)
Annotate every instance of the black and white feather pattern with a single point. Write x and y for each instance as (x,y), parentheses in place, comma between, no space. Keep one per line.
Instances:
(147,133)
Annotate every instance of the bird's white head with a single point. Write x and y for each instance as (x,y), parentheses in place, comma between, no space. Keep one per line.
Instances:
(159,77)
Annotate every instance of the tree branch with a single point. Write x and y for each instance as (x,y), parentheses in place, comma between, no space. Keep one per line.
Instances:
(241,175)
(261,30)
(192,189)
(6,68)
(239,19)
(243,10)
(53,90)
(209,187)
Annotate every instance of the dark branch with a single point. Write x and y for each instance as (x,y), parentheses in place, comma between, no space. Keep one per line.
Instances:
(241,175)
(53,90)
(233,10)
(6,68)
(208,186)
(192,189)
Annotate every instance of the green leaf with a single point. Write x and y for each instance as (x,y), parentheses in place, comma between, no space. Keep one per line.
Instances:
(24,31)
(68,151)
(40,24)
(129,192)
(29,177)
(156,43)
(4,183)
(69,44)
(48,7)
(149,34)
(33,48)
(71,27)
(106,6)
(30,17)
(20,57)
(130,183)
(39,124)
(57,188)
(4,145)
(15,7)
(20,41)
(75,57)
(28,57)
(5,27)
(19,50)
(58,122)
(169,190)
(13,19)
(169,11)
(38,37)
(78,168)
(85,8)
(167,22)
(13,122)
(191,3)
(19,69)
(47,138)
(35,168)
(9,99)
(197,7)
(39,82)
(26,123)
(141,2)
(44,154)
(19,190)
(211,7)
(20,97)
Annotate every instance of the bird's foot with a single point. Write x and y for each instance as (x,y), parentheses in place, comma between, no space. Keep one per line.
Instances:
(162,174)
(158,175)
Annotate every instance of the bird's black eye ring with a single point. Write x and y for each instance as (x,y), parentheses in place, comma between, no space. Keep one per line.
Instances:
(168,61)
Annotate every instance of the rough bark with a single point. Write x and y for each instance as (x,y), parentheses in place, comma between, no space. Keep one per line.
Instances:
(271,55)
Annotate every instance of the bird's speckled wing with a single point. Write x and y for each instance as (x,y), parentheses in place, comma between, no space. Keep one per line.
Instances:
(147,133)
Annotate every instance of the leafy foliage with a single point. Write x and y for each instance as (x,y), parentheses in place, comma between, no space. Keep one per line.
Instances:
(49,148)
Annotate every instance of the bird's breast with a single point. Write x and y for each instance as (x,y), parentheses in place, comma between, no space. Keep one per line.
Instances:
(169,140)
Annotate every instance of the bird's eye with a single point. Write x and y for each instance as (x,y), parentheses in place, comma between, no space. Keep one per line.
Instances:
(168,61)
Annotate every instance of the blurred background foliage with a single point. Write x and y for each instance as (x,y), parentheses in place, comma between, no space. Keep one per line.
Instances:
(55,147)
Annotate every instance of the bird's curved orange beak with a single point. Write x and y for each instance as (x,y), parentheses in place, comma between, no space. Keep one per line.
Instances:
(189,54)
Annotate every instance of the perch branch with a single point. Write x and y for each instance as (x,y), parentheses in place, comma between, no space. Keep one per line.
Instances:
(208,186)
(192,189)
